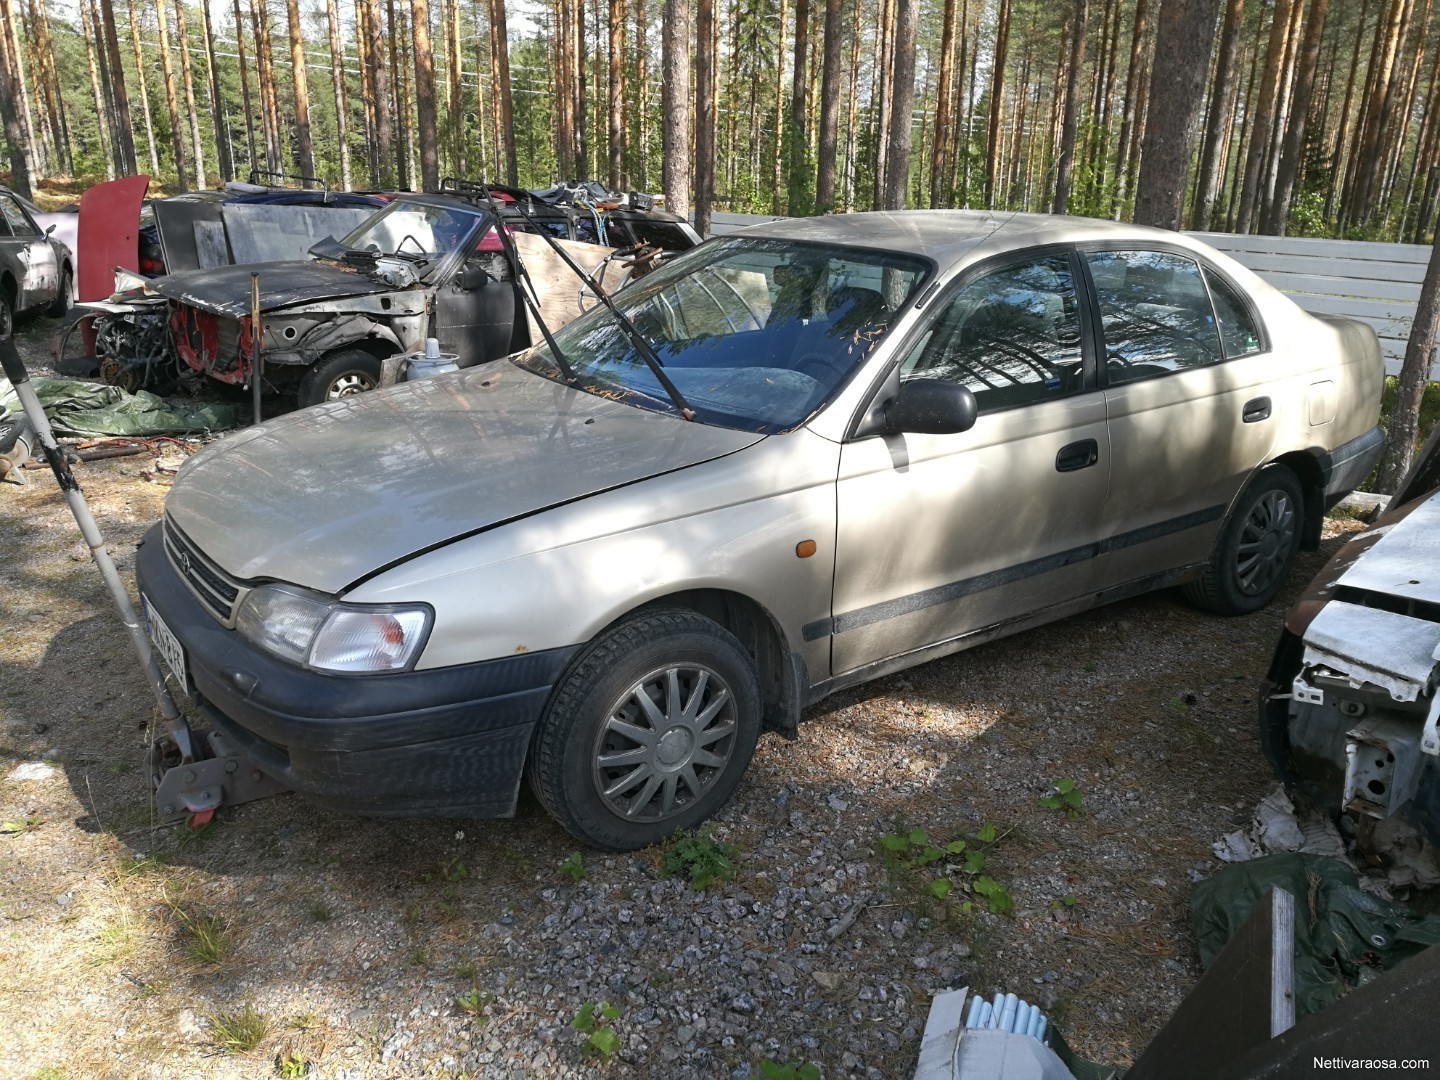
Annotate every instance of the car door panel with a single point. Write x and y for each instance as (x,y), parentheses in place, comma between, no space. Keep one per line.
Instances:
(941,535)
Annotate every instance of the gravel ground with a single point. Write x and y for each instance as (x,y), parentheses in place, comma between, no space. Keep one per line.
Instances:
(129,950)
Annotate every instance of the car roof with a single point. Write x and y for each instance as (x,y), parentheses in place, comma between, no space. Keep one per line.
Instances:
(947,236)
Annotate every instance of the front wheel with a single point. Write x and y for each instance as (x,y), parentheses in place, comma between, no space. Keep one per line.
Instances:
(341,374)
(1255,549)
(64,298)
(648,733)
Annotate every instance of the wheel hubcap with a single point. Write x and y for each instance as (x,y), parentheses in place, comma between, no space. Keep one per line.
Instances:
(350,383)
(664,742)
(1265,543)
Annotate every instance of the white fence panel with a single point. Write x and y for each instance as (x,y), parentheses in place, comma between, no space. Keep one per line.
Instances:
(1378,284)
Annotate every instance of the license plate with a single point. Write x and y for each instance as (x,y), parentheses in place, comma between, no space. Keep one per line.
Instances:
(166,643)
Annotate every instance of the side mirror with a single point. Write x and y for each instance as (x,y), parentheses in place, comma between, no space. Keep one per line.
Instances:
(49,229)
(931,407)
(472,278)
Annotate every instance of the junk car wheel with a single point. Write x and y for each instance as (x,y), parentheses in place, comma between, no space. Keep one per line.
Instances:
(648,732)
(61,304)
(1256,548)
(341,374)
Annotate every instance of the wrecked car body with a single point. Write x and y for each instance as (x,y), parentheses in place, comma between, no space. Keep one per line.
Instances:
(36,270)
(341,321)
(1351,705)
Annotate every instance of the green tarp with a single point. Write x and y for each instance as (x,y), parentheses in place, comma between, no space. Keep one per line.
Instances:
(1344,937)
(93,410)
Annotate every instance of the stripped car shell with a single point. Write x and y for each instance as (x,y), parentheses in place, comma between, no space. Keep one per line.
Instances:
(1350,709)
(622,597)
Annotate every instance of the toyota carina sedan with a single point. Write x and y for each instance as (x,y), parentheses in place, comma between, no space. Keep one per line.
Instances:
(793,459)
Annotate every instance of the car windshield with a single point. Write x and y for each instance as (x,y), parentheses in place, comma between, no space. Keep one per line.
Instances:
(414,230)
(755,334)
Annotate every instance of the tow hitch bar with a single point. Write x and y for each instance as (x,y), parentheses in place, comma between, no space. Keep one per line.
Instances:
(192,772)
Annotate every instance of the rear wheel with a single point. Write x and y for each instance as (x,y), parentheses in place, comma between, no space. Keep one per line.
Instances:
(341,374)
(649,732)
(1255,549)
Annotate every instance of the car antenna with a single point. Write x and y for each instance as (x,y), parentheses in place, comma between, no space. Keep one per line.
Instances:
(526,289)
(643,347)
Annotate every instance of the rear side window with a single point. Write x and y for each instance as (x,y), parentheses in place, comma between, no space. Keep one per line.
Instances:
(1011,335)
(16,222)
(1238,333)
(1156,314)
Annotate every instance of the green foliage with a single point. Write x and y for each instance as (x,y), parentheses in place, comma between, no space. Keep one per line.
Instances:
(207,936)
(593,1021)
(1066,798)
(239,1031)
(292,1066)
(701,857)
(792,1070)
(21,826)
(320,911)
(573,867)
(940,869)
(454,870)
(473,1002)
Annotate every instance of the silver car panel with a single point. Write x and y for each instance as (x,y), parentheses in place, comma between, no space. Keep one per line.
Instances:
(325,496)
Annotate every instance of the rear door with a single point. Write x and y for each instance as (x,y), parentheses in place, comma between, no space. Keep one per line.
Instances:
(1191,405)
(943,535)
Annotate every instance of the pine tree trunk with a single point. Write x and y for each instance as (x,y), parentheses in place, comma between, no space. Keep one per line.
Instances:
(1366,158)
(1414,374)
(884,73)
(455,77)
(10,98)
(265,81)
(826,152)
(997,98)
(1206,186)
(944,120)
(852,110)
(797,142)
(426,119)
(582,129)
(675,105)
(1174,109)
(400,83)
(1128,124)
(704,104)
(167,71)
(502,58)
(642,80)
(1264,115)
(338,88)
(1294,147)
(615,118)
(18,41)
(902,94)
(121,132)
(1270,164)
(223,158)
(1407,103)
(300,86)
(1338,160)
(245,88)
(1065,163)
(777,135)
(54,112)
(197,146)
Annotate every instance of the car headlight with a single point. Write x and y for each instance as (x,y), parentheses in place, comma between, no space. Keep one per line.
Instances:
(326,635)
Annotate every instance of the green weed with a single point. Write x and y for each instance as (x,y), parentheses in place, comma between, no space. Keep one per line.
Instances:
(1066,798)
(473,1003)
(941,869)
(573,867)
(701,857)
(239,1031)
(792,1070)
(594,1022)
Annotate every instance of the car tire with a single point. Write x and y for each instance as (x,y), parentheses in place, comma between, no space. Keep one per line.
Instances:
(341,374)
(624,754)
(64,298)
(1256,547)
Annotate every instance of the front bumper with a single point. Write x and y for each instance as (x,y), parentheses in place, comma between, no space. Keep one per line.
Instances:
(448,742)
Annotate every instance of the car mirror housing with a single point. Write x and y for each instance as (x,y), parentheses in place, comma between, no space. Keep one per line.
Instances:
(472,278)
(931,407)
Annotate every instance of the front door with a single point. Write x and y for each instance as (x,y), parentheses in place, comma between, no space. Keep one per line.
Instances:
(943,535)
(474,312)
(39,277)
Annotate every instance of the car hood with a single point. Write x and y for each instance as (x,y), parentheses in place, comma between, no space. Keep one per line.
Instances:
(225,290)
(327,496)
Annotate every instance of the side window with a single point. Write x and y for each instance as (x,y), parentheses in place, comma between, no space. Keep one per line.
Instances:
(1011,335)
(15,223)
(1156,314)
(1238,333)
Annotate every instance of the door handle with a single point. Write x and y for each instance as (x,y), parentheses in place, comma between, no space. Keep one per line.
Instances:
(1078,455)
(1256,409)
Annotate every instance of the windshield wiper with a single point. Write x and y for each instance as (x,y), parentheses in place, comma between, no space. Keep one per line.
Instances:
(526,287)
(643,347)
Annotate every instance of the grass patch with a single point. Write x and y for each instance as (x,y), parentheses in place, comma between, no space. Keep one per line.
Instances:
(206,936)
(239,1031)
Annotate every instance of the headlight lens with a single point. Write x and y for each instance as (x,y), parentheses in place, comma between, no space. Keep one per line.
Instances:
(314,632)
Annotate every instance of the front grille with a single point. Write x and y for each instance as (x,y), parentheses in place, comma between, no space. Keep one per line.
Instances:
(212,586)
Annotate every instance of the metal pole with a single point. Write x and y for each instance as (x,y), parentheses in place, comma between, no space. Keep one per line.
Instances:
(19,378)
(256,370)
